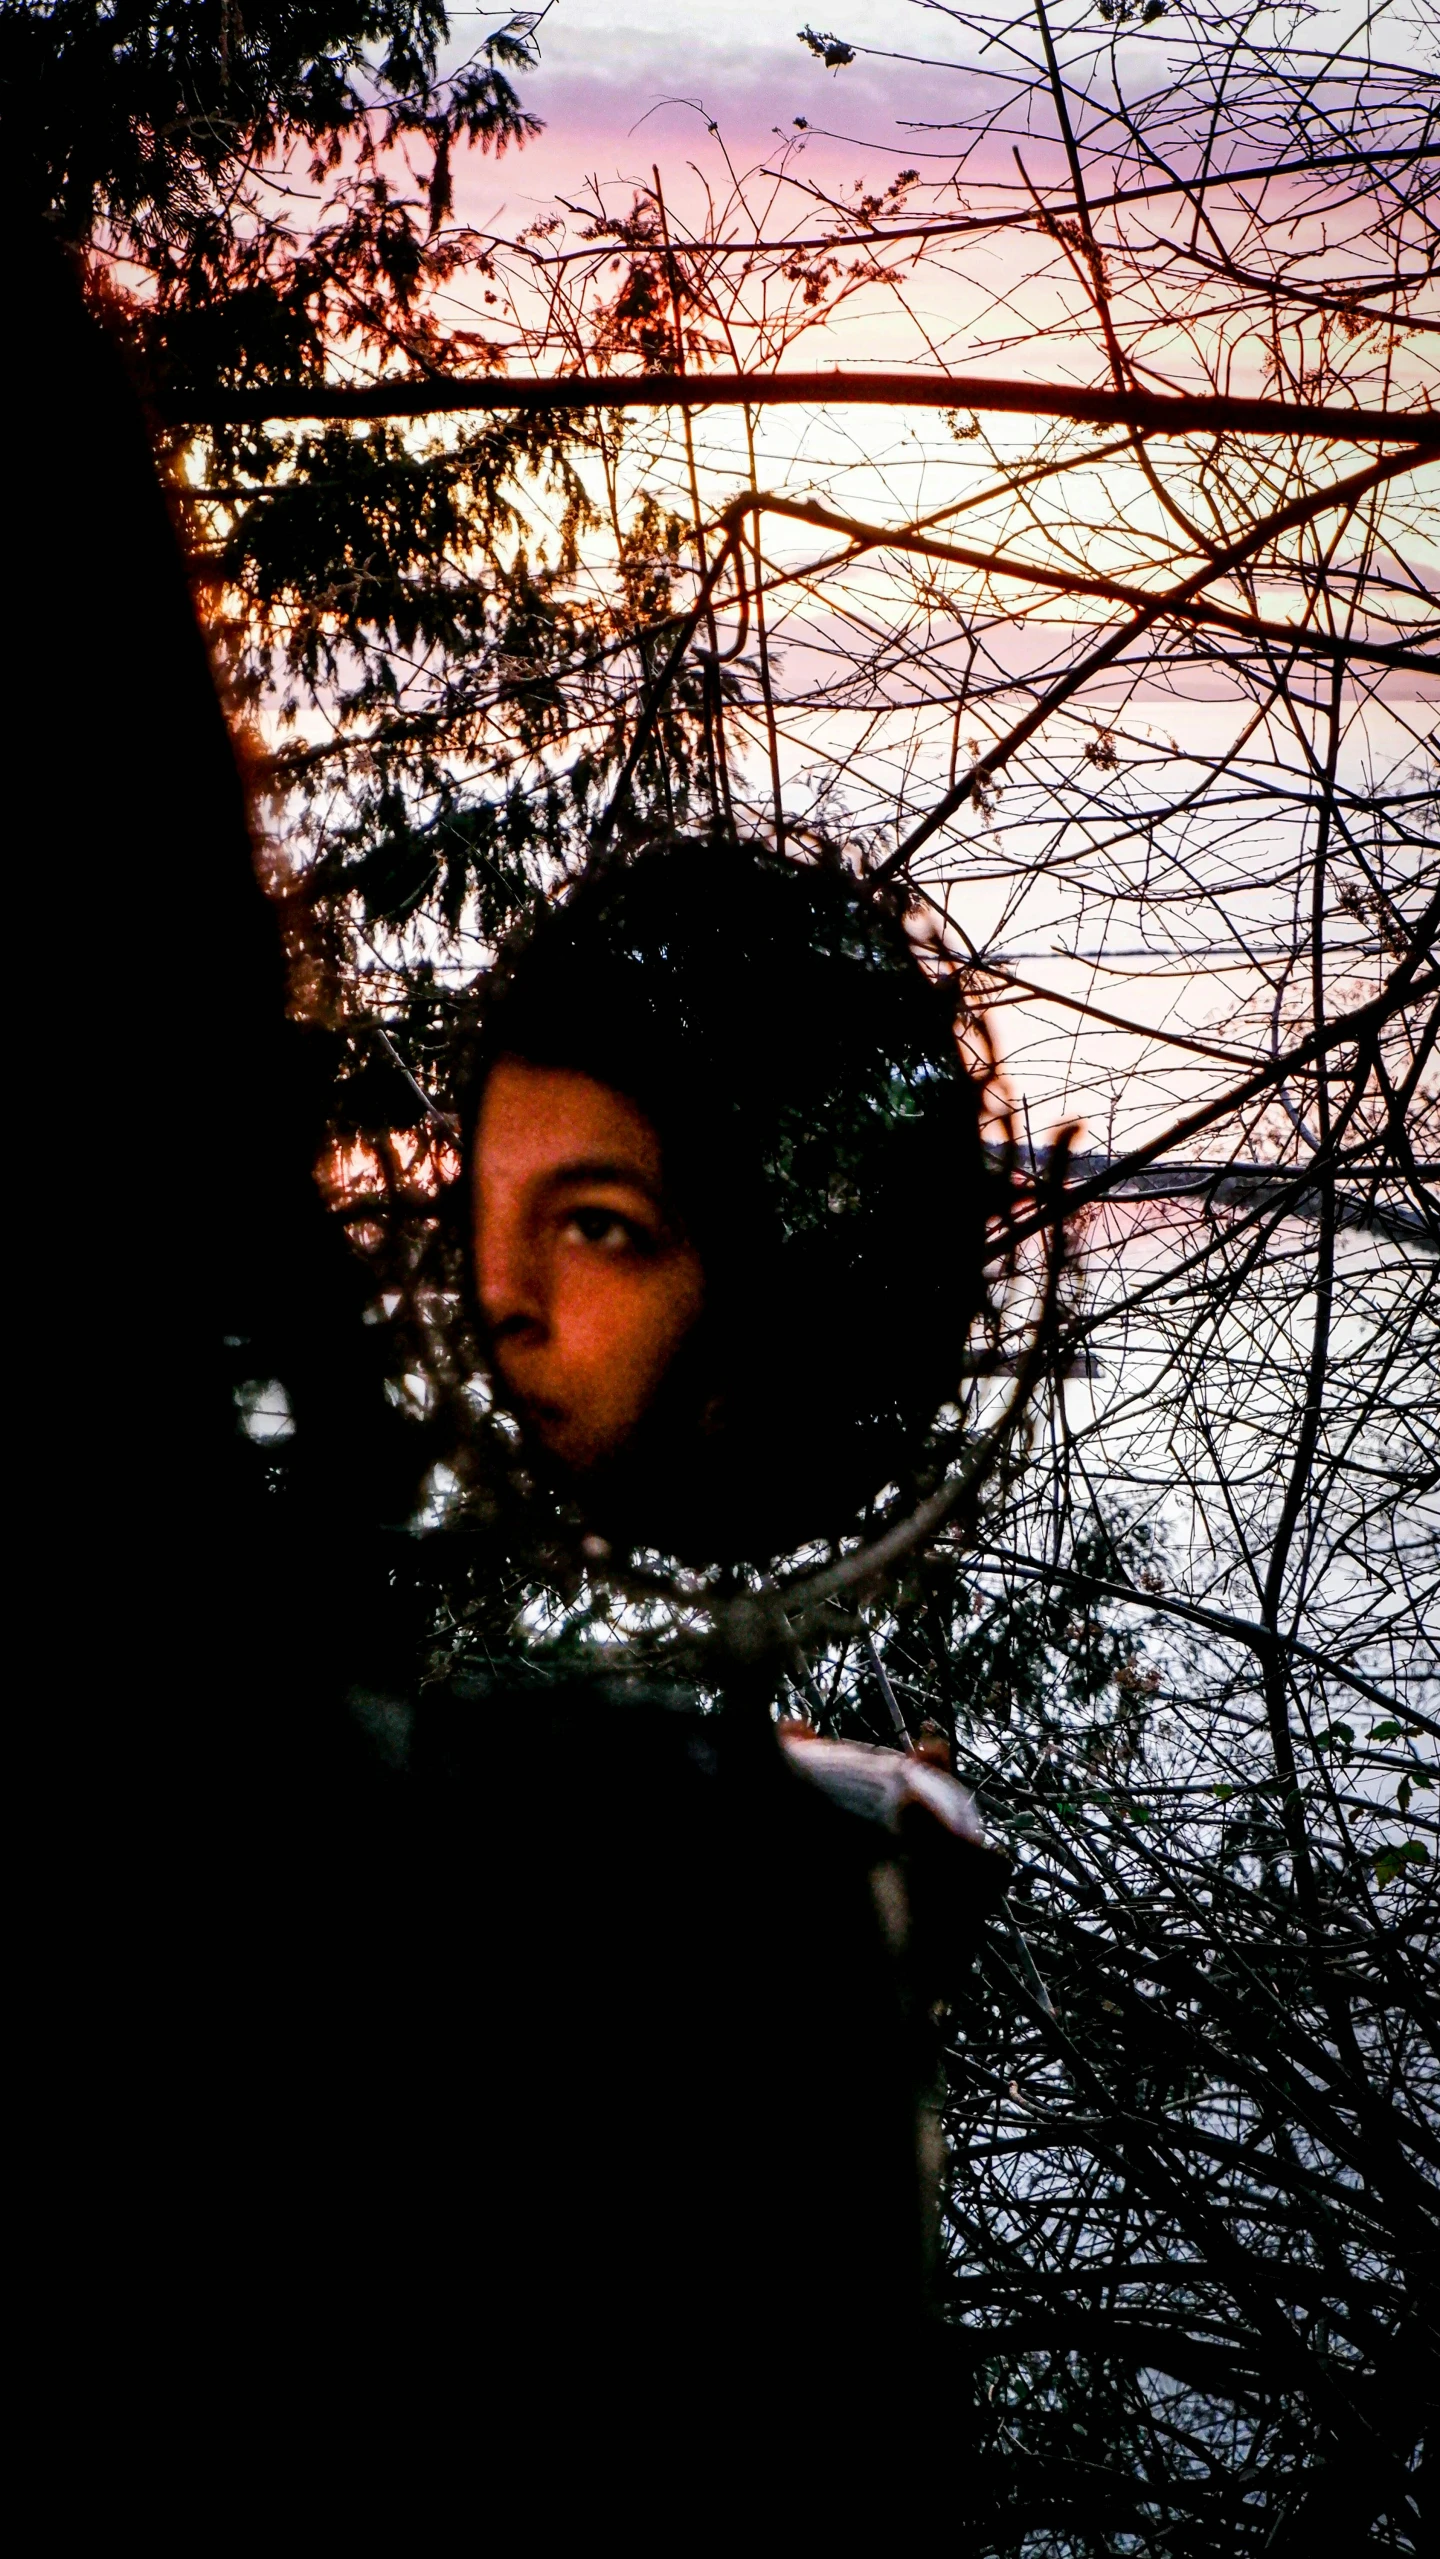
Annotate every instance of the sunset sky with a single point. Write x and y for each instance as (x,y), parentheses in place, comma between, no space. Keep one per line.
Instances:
(624,84)
(619,86)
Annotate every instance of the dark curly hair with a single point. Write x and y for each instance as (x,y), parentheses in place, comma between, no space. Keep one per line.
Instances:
(821,1143)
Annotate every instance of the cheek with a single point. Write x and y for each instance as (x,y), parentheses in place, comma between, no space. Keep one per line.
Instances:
(626,1324)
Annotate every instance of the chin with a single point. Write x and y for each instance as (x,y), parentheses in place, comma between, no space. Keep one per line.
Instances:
(578,1460)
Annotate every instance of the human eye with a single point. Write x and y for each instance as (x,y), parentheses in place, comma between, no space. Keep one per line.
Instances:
(606,1230)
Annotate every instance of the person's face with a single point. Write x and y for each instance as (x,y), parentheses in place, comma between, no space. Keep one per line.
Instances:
(586,1285)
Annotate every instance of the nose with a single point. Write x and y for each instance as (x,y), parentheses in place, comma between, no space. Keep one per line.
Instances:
(509,1281)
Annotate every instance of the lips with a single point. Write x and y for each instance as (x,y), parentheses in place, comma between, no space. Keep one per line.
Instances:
(538,1410)
(549,1421)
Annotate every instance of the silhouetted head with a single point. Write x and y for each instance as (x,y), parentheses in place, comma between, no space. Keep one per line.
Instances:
(729,1199)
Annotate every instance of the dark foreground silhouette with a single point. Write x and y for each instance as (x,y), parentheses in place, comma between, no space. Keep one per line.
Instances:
(435,2075)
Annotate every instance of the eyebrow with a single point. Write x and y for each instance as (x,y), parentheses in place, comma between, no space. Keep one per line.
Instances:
(604,1169)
